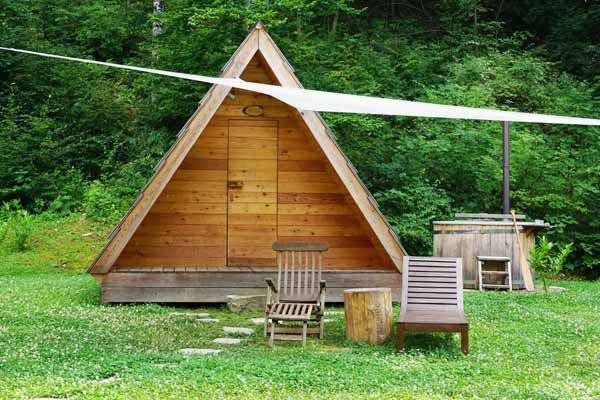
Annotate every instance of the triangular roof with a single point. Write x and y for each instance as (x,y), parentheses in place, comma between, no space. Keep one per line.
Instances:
(257,41)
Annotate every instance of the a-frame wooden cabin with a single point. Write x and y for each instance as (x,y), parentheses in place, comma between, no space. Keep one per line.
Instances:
(245,171)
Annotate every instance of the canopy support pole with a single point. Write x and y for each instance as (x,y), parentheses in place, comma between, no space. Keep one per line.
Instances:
(506,168)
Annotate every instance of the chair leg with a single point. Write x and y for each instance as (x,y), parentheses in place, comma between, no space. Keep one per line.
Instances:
(510,285)
(266,324)
(304,329)
(400,338)
(464,340)
(272,337)
(321,326)
(479,275)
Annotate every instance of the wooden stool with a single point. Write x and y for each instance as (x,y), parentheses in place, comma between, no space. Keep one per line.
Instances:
(506,273)
(369,315)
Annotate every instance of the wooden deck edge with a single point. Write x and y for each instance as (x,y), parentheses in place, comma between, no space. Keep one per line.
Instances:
(199,295)
(215,286)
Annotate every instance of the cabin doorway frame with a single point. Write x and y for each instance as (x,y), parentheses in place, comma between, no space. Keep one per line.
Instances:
(256,225)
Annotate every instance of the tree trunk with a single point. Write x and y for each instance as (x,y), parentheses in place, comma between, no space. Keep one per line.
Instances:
(368,314)
(158,6)
(334,24)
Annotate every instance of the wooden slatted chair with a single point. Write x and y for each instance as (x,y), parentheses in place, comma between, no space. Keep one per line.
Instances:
(432,298)
(299,295)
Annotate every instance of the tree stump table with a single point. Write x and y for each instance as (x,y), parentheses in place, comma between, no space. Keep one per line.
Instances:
(368,314)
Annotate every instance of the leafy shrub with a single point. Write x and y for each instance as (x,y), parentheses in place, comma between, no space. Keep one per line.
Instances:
(3,230)
(102,203)
(412,222)
(67,196)
(548,259)
(22,225)
(17,225)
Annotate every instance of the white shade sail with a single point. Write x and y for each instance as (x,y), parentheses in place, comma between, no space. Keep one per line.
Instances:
(316,100)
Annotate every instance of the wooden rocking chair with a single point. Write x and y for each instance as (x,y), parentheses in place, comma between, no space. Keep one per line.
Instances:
(300,293)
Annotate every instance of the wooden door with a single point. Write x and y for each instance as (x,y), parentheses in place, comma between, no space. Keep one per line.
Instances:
(252,193)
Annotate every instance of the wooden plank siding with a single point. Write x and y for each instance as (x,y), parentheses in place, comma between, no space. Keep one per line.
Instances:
(287,191)
(187,225)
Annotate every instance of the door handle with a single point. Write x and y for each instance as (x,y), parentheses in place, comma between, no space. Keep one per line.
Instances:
(235,184)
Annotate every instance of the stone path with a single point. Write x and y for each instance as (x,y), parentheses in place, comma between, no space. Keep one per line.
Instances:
(169,365)
(236,330)
(208,320)
(227,341)
(239,330)
(201,352)
(105,381)
(191,314)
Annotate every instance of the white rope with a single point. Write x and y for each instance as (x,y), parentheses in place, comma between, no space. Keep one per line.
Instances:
(316,100)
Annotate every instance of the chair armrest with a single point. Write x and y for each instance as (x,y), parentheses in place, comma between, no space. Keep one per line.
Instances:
(271,284)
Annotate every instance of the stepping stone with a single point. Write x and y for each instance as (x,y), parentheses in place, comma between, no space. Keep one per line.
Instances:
(107,380)
(167,365)
(556,289)
(258,321)
(208,320)
(235,329)
(334,313)
(227,341)
(191,314)
(238,329)
(200,352)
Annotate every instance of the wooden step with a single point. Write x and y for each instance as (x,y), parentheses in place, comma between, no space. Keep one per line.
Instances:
(494,272)
(288,337)
(487,285)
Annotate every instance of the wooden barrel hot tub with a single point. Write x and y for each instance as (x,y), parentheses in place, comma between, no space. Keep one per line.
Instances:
(472,235)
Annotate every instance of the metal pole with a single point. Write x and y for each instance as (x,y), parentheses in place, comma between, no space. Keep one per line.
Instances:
(506,168)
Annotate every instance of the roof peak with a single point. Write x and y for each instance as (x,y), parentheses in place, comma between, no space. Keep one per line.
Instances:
(258,25)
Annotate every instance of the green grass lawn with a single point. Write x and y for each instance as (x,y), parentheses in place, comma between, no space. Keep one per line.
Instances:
(56,340)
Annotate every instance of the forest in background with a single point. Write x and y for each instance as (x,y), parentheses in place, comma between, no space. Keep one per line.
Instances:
(79,138)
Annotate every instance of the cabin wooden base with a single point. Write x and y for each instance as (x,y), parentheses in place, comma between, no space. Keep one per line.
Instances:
(213,285)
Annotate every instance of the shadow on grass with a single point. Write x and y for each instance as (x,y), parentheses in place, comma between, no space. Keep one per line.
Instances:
(432,342)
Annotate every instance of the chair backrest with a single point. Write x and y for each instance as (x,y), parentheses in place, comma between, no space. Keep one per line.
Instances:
(299,266)
(432,283)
